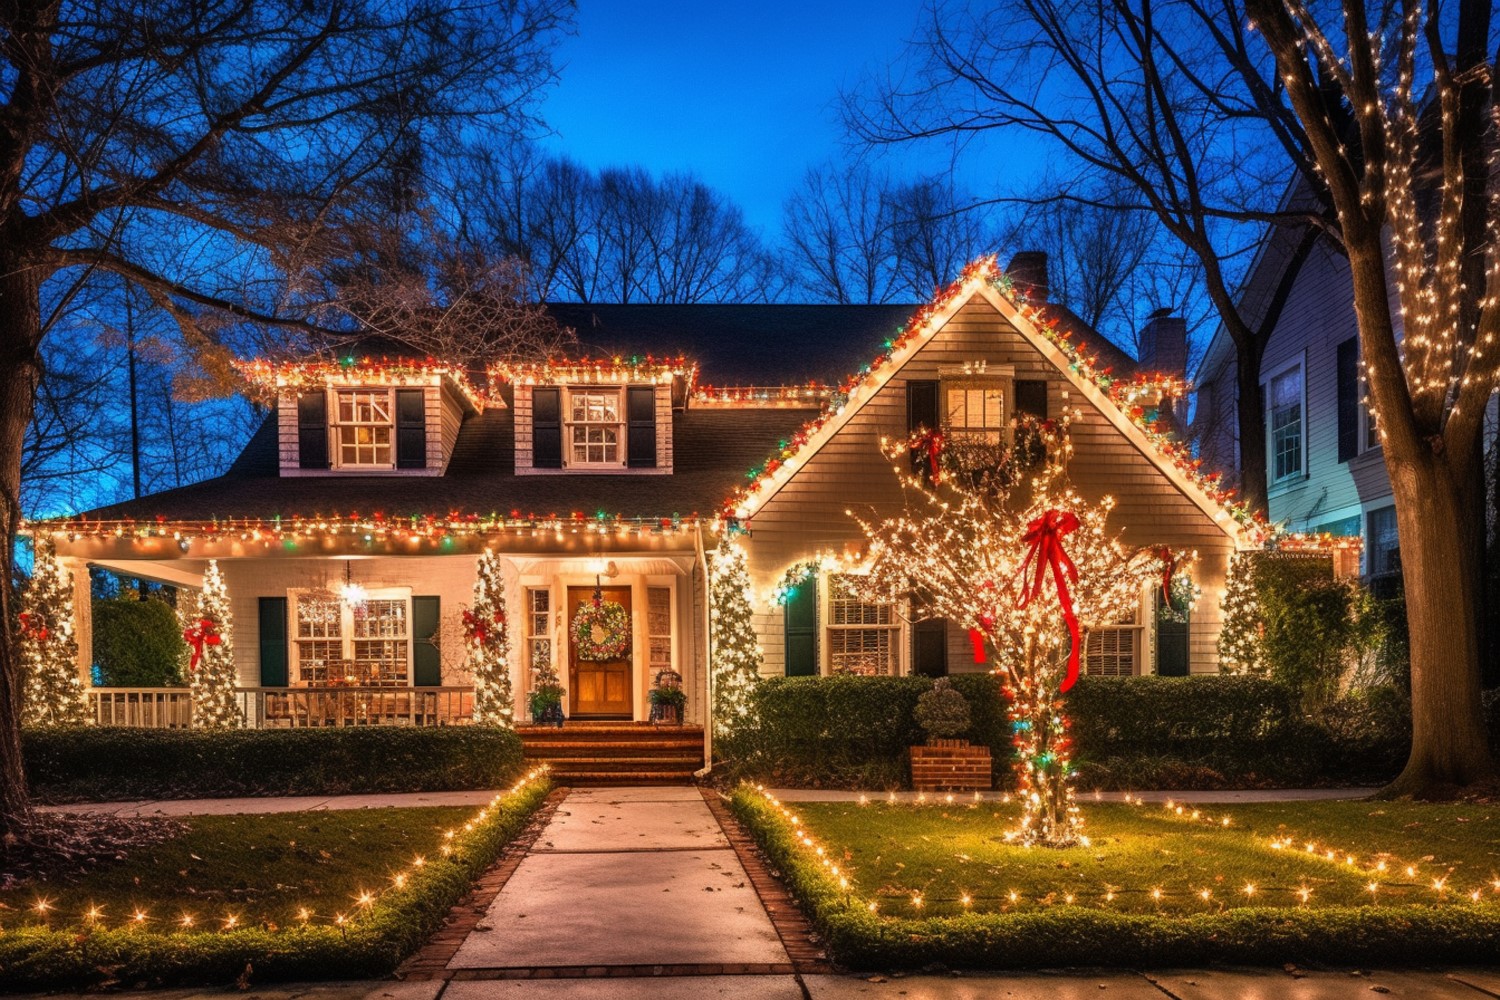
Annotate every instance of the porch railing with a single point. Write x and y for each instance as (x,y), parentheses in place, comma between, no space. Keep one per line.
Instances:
(292,707)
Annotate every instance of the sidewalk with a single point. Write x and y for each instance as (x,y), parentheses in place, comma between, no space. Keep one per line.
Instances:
(274,804)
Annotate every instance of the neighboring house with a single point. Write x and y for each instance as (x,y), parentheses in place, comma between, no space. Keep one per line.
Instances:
(349,528)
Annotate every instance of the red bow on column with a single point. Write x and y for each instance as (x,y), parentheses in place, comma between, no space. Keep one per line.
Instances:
(929,444)
(201,633)
(1045,535)
(479,628)
(34,626)
(1169,569)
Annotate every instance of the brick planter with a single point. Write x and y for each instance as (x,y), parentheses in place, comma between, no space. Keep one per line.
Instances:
(950,765)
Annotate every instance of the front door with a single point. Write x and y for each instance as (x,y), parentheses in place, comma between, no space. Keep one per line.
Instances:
(600,688)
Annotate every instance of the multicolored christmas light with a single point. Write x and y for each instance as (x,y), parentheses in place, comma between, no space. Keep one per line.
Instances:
(619,370)
(268,379)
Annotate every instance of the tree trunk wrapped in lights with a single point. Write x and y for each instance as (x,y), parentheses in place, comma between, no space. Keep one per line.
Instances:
(211,672)
(995,540)
(734,651)
(53,692)
(487,636)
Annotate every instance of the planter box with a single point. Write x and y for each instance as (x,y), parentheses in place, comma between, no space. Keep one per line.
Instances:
(950,766)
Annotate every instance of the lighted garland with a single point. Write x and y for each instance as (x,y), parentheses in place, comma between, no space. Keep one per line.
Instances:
(734,650)
(601,631)
(267,379)
(594,371)
(487,639)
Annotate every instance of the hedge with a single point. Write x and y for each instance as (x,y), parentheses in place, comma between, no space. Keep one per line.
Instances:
(1130,732)
(100,763)
(1073,936)
(137,643)
(372,945)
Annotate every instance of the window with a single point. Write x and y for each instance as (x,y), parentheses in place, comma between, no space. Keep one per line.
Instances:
(538,630)
(1382,543)
(363,427)
(1286,424)
(862,638)
(659,630)
(338,644)
(594,428)
(975,411)
(1111,651)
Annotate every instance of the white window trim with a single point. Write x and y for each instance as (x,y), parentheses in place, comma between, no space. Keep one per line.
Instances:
(901,627)
(621,425)
(346,631)
(336,452)
(1002,377)
(1299,361)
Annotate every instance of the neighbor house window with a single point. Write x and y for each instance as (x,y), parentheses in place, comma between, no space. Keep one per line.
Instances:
(363,428)
(863,638)
(368,644)
(595,428)
(538,629)
(1286,424)
(1382,544)
(975,411)
(659,629)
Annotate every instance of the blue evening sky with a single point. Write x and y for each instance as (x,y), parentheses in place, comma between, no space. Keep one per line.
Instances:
(743,94)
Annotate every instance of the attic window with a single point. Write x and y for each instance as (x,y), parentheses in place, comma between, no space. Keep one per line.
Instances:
(594,427)
(975,409)
(364,428)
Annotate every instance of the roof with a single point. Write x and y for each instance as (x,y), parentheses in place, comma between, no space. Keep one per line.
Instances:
(712,452)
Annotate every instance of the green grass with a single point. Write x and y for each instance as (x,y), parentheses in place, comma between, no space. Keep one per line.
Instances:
(260,869)
(1093,905)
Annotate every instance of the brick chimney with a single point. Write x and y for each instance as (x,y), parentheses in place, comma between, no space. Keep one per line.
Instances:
(1028,273)
(1163,344)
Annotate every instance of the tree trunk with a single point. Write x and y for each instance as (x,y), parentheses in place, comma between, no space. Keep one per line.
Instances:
(1250,419)
(1436,509)
(20,325)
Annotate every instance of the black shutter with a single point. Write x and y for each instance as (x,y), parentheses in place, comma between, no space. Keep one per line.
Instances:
(640,413)
(411,428)
(921,411)
(1031,397)
(426,663)
(546,428)
(312,430)
(273,654)
(929,647)
(1348,404)
(802,630)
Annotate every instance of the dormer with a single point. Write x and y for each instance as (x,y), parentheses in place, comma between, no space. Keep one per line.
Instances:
(365,416)
(594,416)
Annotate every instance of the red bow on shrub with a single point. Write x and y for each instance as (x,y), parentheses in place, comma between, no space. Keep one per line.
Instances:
(479,628)
(929,444)
(977,636)
(201,633)
(1045,535)
(34,626)
(1169,569)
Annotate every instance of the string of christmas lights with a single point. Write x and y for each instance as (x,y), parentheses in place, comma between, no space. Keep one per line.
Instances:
(268,379)
(593,371)
(52,691)
(734,650)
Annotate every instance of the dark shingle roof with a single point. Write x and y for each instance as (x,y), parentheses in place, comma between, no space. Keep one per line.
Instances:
(712,451)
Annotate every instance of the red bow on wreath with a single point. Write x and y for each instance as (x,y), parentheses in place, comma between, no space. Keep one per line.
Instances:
(479,628)
(201,633)
(1169,569)
(34,626)
(1045,535)
(929,444)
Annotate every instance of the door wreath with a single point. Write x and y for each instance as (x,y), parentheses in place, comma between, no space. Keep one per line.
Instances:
(601,631)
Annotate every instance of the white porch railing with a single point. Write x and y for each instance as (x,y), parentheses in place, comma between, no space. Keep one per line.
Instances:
(292,707)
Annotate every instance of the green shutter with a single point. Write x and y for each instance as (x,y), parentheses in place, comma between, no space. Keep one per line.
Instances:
(802,630)
(427,664)
(273,660)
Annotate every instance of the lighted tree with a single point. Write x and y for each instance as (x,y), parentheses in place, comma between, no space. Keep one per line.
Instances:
(1017,556)
(53,692)
(1239,639)
(211,671)
(734,651)
(487,636)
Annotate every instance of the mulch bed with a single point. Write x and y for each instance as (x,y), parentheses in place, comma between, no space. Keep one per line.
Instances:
(62,846)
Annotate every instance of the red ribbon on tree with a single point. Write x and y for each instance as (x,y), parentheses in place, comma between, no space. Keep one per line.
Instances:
(479,628)
(1169,569)
(34,626)
(1045,534)
(201,633)
(929,444)
(977,636)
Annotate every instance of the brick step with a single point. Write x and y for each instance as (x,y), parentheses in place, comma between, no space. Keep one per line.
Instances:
(596,732)
(604,779)
(572,764)
(564,748)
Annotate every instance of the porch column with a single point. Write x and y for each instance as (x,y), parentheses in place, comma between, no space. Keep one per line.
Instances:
(83,616)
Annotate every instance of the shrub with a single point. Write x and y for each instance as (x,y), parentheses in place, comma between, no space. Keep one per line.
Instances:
(137,643)
(72,764)
(942,711)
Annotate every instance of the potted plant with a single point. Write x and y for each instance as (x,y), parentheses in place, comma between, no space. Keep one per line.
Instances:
(945,762)
(667,704)
(546,704)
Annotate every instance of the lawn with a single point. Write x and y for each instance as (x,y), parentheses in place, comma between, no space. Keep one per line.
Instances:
(260,870)
(1341,882)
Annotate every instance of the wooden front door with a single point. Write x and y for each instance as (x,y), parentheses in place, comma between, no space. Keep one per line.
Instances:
(598,687)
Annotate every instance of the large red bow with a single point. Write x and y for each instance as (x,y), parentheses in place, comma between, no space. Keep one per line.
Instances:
(479,628)
(1169,569)
(930,445)
(1045,535)
(201,633)
(34,626)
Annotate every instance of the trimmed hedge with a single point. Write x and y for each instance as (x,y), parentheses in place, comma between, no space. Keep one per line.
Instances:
(1071,936)
(137,643)
(101,763)
(1130,732)
(372,945)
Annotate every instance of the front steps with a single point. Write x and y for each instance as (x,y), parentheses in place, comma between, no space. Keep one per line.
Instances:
(594,754)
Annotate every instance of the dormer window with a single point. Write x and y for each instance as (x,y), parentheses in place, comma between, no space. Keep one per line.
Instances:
(976,411)
(363,428)
(594,427)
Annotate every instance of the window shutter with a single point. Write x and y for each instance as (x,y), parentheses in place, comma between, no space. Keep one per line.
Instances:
(640,414)
(426,663)
(546,428)
(1348,404)
(929,647)
(1031,397)
(921,411)
(411,428)
(273,654)
(312,430)
(802,630)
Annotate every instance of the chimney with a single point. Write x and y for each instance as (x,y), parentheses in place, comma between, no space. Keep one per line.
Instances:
(1163,344)
(1028,273)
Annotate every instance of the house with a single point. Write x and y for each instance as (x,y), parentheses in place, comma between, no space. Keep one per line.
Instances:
(349,529)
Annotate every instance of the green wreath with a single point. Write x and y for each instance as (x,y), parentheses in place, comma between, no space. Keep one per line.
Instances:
(601,631)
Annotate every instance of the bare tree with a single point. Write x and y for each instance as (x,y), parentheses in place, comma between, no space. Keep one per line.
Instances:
(837,231)
(214,155)
(935,229)
(1414,168)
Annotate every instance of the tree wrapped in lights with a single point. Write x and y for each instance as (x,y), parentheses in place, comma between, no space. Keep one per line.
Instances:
(734,652)
(487,637)
(211,672)
(53,692)
(1007,549)
(1239,640)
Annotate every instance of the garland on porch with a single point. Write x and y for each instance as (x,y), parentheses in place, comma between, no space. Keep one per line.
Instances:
(211,671)
(487,638)
(49,652)
(601,630)
(734,652)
